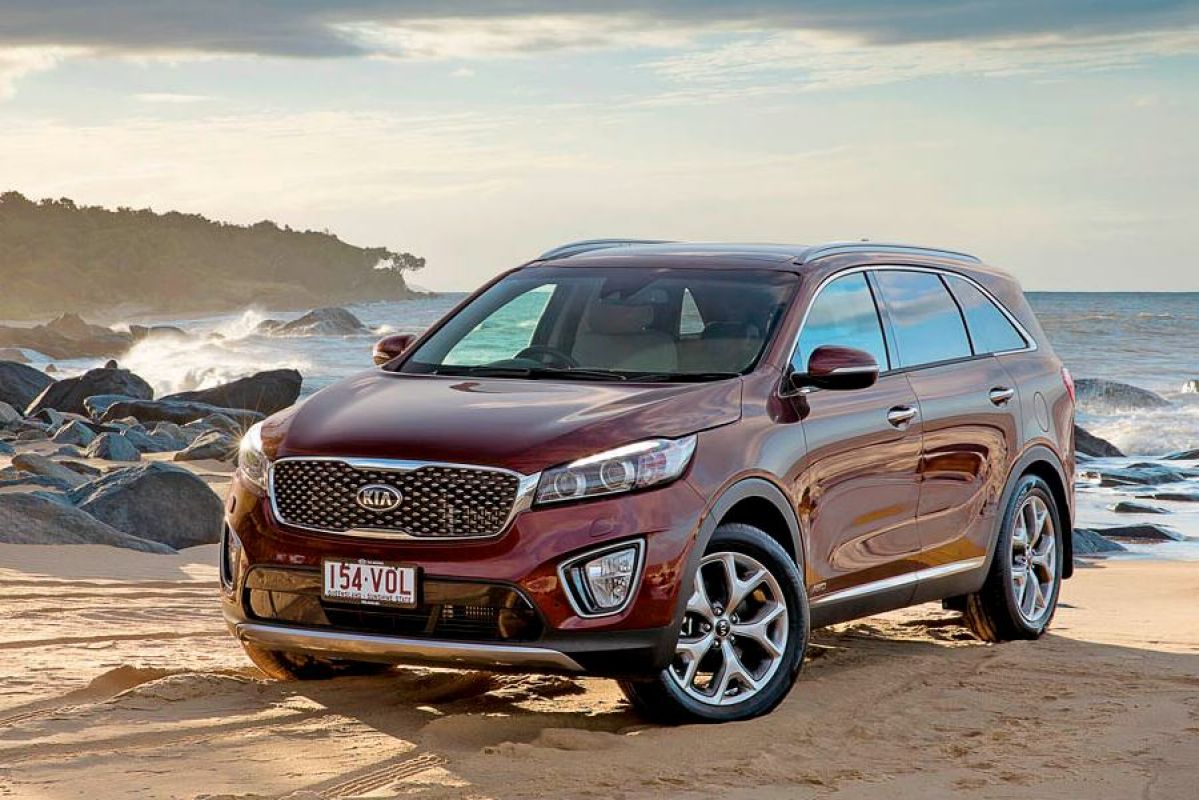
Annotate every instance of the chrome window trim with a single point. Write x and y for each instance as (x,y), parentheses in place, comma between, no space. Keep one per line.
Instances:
(525,491)
(899,581)
(867,268)
(587,555)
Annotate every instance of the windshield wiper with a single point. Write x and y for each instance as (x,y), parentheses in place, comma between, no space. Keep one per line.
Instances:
(535,373)
(683,377)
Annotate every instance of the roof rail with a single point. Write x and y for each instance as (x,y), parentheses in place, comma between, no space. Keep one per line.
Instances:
(839,248)
(587,245)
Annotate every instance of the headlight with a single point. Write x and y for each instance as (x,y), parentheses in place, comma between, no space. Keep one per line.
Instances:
(633,466)
(252,462)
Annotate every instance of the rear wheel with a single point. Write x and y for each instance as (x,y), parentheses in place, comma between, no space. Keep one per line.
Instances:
(742,639)
(1020,596)
(284,666)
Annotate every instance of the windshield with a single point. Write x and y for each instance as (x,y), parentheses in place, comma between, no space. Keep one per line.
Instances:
(612,324)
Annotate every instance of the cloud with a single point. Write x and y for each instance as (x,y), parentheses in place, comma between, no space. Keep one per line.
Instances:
(19,62)
(171,98)
(316,29)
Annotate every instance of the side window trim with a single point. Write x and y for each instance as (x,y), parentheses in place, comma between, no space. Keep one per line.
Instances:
(888,335)
(1030,343)
(961,315)
(884,321)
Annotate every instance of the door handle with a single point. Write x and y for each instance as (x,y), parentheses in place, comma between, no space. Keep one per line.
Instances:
(1000,395)
(900,416)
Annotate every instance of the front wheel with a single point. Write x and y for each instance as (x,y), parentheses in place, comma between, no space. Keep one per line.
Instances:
(1021,593)
(301,667)
(742,638)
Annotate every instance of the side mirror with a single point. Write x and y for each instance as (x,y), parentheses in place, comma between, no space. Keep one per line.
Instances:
(839,369)
(389,347)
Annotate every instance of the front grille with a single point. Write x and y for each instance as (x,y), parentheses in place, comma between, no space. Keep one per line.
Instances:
(437,501)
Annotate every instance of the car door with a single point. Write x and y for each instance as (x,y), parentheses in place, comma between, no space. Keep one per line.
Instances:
(857,485)
(966,403)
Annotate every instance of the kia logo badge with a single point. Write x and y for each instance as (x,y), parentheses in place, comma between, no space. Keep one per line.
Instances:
(379,497)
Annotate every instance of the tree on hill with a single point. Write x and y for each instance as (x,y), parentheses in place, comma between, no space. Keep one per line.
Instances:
(57,256)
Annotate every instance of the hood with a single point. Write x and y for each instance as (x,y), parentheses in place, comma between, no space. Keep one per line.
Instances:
(525,425)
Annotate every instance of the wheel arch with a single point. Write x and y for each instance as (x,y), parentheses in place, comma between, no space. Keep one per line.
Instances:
(1042,462)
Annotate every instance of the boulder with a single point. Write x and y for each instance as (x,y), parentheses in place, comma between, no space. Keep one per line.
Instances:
(1089,444)
(265,392)
(6,449)
(69,336)
(145,443)
(139,332)
(1183,455)
(155,501)
(329,321)
(13,354)
(37,519)
(215,445)
(1144,474)
(1145,534)
(51,418)
(20,384)
(1133,507)
(179,412)
(69,394)
(40,465)
(97,404)
(83,469)
(113,447)
(1174,497)
(1089,543)
(1116,395)
(169,430)
(8,414)
(32,435)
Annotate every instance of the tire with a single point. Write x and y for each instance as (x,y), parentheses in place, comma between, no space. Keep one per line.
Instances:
(744,549)
(1010,605)
(302,667)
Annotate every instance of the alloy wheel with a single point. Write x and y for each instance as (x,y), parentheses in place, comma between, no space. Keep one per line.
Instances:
(1034,560)
(734,632)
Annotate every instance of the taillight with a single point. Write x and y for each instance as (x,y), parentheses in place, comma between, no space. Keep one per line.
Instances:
(1068,379)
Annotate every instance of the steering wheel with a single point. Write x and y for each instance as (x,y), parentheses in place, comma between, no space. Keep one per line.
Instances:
(548,356)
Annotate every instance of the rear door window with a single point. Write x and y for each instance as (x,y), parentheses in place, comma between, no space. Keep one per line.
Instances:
(843,314)
(990,329)
(926,319)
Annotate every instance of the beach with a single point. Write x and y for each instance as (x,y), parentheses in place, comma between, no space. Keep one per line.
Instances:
(119,681)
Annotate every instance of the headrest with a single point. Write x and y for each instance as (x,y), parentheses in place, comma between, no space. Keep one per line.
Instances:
(612,318)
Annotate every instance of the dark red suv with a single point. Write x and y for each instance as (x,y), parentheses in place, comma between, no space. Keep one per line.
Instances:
(664,463)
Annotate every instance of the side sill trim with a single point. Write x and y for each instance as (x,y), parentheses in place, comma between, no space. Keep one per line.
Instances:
(399,649)
(900,581)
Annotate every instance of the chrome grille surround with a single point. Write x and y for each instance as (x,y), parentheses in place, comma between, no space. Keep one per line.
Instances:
(440,500)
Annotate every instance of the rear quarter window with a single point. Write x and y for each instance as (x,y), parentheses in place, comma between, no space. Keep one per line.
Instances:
(990,329)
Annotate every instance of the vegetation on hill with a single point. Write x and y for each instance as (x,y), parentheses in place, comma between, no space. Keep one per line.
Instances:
(56,256)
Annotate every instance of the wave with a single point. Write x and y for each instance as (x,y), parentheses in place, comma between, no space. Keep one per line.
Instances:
(172,364)
(1146,432)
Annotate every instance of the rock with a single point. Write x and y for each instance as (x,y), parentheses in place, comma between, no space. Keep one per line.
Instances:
(1176,497)
(20,384)
(1131,507)
(6,449)
(222,422)
(69,336)
(8,414)
(179,412)
(75,432)
(265,392)
(32,435)
(1088,542)
(1142,533)
(113,447)
(215,445)
(169,430)
(40,465)
(83,469)
(1183,455)
(1190,387)
(1089,444)
(37,519)
(68,451)
(69,394)
(51,418)
(1145,474)
(145,443)
(97,404)
(1117,395)
(155,501)
(140,332)
(50,368)
(13,354)
(330,321)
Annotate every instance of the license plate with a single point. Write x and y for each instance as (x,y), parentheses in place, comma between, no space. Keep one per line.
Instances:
(373,583)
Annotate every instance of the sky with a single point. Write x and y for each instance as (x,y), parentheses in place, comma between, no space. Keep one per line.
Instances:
(1057,140)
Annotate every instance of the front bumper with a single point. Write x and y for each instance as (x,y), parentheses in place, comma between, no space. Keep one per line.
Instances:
(525,558)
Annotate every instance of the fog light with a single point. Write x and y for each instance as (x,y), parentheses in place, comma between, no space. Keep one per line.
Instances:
(230,566)
(603,582)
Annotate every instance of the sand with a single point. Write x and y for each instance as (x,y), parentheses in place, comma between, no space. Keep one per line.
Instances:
(118,680)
